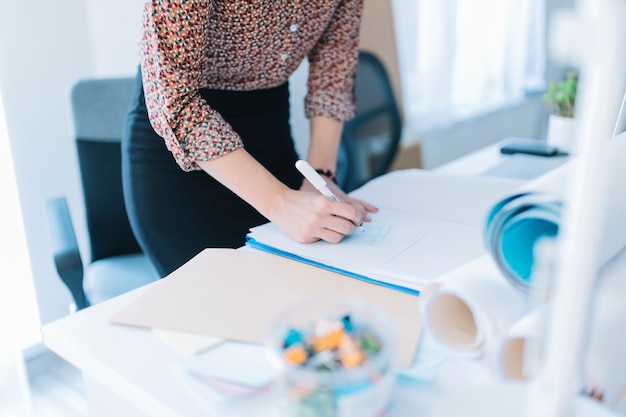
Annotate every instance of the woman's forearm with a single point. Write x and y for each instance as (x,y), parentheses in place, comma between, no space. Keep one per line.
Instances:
(303,216)
(247,178)
(325,137)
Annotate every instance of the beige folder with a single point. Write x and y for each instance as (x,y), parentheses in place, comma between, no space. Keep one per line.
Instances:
(238,294)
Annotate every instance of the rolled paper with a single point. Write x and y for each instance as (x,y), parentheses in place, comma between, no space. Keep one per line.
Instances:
(470,306)
(507,358)
(512,229)
(517,222)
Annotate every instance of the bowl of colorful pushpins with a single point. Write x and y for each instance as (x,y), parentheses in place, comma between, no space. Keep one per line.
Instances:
(334,358)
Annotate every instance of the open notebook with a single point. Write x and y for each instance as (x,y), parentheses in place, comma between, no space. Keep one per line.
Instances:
(428,224)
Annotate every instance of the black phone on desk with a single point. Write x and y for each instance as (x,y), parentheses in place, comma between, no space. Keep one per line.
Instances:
(529,147)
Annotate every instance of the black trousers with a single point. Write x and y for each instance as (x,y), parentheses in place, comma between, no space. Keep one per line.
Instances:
(176,214)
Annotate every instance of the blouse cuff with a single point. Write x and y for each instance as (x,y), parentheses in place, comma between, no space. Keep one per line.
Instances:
(203,144)
(336,105)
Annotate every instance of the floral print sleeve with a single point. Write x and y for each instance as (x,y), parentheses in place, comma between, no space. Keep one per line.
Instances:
(333,63)
(172,47)
(242,45)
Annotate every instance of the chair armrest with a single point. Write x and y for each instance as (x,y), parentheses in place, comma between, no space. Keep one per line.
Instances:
(65,250)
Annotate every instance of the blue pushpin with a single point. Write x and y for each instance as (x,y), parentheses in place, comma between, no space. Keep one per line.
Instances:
(293,336)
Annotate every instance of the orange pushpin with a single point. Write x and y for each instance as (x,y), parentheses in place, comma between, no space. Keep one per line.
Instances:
(329,341)
(296,354)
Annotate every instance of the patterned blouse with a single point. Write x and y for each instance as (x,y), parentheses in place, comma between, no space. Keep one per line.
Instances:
(188,45)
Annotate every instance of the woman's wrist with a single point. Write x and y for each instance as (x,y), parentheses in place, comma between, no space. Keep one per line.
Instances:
(328,174)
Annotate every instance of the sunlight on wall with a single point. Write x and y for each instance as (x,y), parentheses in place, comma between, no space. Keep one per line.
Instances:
(19,318)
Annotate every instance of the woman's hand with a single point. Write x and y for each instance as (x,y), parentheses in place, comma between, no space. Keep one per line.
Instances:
(362,206)
(307,216)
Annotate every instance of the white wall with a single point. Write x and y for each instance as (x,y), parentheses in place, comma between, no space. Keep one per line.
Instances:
(114,28)
(44,48)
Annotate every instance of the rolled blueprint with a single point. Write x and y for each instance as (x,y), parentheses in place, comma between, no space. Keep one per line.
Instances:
(517,222)
(470,306)
(514,226)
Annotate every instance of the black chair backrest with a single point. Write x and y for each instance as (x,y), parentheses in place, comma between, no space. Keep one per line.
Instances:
(98,109)
(370,140)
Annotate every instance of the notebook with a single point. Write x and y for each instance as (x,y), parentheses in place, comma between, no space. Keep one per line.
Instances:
(427,225)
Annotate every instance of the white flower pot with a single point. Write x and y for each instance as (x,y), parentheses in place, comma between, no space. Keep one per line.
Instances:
(563,133)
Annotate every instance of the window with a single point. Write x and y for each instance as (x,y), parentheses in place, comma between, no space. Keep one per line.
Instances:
(461,58)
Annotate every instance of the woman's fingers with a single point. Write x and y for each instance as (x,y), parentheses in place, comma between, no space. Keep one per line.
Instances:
(309,216)
(363,206)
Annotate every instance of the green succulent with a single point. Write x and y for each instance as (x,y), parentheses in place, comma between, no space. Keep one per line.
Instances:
(561,95)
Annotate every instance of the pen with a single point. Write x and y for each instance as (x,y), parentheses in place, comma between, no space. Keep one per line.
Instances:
(316,179)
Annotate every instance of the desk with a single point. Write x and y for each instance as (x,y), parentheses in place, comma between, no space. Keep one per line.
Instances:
(490,162)
(130,372)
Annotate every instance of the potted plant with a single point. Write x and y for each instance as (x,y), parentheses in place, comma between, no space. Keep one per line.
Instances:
(561,101)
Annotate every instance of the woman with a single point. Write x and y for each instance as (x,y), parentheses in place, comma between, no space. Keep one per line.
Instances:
(207,150)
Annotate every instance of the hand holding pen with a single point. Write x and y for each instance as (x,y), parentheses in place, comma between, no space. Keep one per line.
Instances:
(321,185)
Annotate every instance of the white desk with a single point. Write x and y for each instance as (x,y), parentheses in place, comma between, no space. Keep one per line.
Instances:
(131,372)
(490,162)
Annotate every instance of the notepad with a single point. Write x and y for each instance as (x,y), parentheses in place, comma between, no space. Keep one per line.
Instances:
(405,251)
(427,225)
(244,364)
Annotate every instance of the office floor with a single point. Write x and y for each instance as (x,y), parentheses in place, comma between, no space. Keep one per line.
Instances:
(56,387)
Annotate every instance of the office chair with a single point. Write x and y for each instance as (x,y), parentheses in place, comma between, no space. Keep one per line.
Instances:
(370,140)
(116,264)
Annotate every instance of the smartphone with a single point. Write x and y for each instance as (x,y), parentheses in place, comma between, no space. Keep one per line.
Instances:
(530,147)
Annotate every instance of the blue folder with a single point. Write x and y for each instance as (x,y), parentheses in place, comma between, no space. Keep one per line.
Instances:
(250,241)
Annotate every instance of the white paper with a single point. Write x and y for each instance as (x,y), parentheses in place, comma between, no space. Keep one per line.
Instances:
(187,343)
(415,249)
(435,225)
(245,364)
(453,198)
